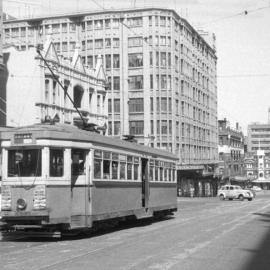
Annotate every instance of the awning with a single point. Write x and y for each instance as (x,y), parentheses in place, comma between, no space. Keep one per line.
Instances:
(263,180)
(239,178)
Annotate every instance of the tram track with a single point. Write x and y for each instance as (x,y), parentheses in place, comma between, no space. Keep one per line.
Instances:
(109,241)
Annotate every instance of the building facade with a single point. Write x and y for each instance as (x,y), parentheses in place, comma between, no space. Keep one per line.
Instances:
(161,80)
(257,168)
(259,138)
(231,151)
(33,95)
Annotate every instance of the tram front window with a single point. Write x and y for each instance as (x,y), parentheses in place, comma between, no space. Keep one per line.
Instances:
(26,162)
(78,161)
(56,162)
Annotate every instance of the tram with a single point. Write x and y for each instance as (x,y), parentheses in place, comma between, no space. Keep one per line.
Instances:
(57,178)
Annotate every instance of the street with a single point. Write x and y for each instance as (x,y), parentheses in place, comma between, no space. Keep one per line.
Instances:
(204,234)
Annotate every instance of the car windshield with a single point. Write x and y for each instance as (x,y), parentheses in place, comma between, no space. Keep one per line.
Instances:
(25,162)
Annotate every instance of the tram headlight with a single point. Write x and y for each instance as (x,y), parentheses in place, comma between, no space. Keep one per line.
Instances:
(40,197)
(21,204)
(6,198)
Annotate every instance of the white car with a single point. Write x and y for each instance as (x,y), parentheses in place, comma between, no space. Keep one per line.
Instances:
(256,189)
(234,192)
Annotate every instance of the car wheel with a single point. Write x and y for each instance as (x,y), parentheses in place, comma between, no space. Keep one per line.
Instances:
(230,199)
(221,197)
(241,197)
(250,199)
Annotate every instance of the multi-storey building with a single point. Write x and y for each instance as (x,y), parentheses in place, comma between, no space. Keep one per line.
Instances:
(259,138)
(32,93)
(257,168)
(231,150)
(1,36)
(162,79)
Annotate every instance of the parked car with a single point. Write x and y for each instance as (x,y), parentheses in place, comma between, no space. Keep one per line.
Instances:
(256,189)
(235,192)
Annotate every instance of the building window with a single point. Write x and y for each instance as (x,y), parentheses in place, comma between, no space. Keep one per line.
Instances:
(89,25)
(108,61)
(115,23)
(164,127)
(109,105)
(64,46)
(99,24)
(83,45)
(31,31)
(164,107)
(116,105)
(116,42)
(163,82)
(108,23)
(116,61)
(135,60)
(72,27)
(108,42)
(116,127)
(135,41)
(23,32)
(90,61)
(134,22)
(135,82)
(89,44)
(136,105)
(116,83)
(157,59)
(162,21)
(57,46)
(98,43)
(109,128)
(56,28)
(163,60)
(54,92)
(72,45)
(47,90)
(136,127)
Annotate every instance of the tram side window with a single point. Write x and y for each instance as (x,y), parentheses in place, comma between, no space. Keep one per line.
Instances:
(56,162)
(161,173)
(170,175)
(156,170)
(97,164)
(151,171)
(106,164)
(136,168)
(115,165)
(165,174)
(122,167)
(78,161)
(24,162)
(129,167)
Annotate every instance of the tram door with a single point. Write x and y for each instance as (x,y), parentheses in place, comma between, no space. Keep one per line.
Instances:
(145,182)
(80,185)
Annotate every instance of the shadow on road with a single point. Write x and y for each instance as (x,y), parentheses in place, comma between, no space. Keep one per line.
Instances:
(260,255)
(102,229)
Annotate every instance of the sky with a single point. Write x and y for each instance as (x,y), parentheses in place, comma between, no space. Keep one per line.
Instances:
(242,42)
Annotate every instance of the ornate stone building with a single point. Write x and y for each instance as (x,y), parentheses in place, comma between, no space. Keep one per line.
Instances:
(32,93)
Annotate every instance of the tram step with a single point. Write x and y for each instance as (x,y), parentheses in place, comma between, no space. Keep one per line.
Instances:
(144,213)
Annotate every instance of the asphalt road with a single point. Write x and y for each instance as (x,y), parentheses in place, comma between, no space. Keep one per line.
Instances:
(205,234)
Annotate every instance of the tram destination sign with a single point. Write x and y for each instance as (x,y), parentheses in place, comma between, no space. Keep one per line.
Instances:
(23,138)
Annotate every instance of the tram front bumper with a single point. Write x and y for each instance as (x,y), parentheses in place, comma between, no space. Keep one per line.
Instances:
(29,215)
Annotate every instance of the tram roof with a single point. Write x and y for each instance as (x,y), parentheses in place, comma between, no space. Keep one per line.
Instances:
(72,133)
